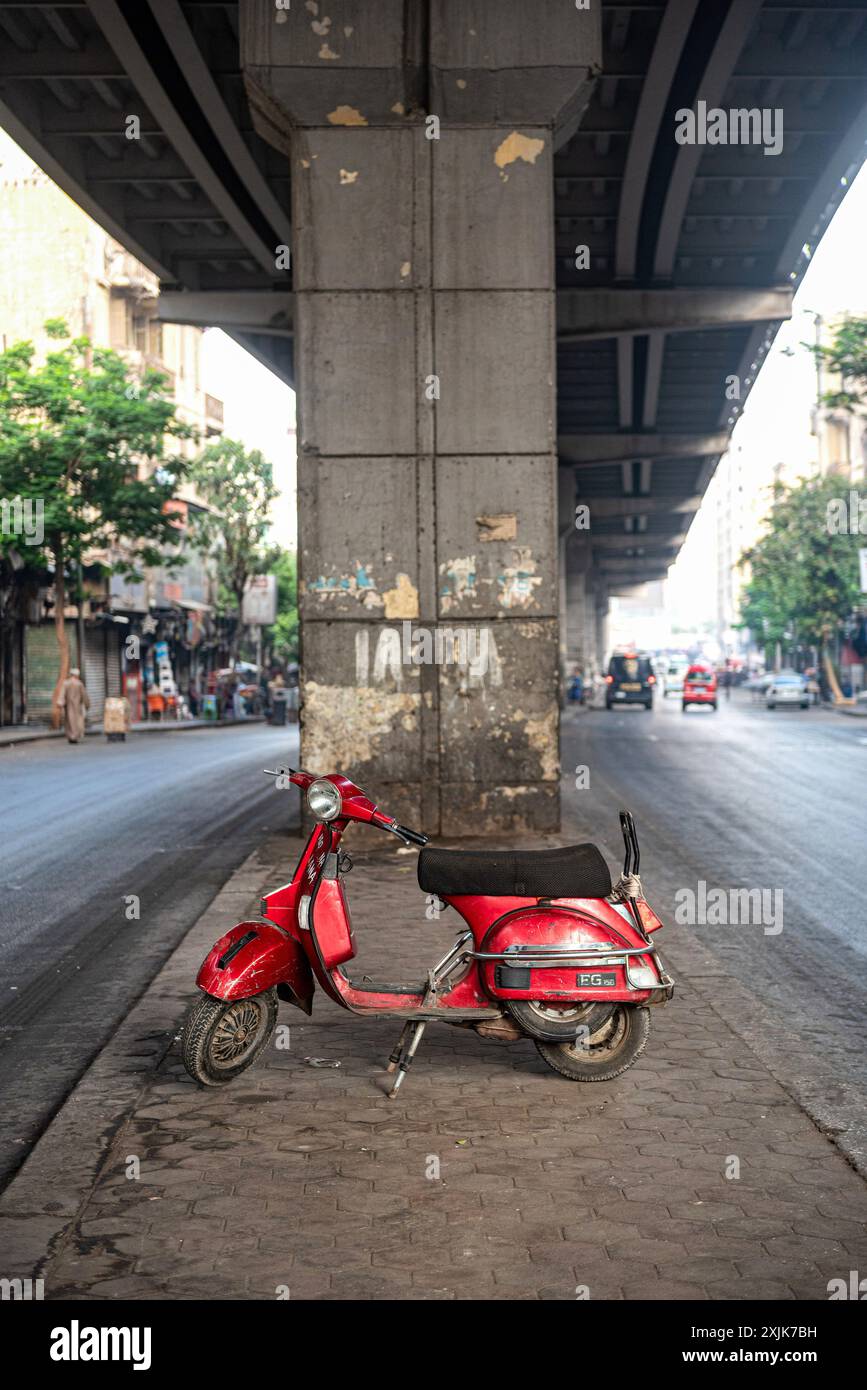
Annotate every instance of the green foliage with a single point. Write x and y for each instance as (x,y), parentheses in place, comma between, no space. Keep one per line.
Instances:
(238,488)
(804,579)
(846,358)
(73,434)
(283,635)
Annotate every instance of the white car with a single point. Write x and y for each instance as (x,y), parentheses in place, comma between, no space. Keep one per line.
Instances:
(674,675)
(787,688)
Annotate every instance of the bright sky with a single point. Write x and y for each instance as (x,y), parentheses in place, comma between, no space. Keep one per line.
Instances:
(775,425)
(259,409)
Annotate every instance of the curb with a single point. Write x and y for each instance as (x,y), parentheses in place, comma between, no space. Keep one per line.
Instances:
(181,726)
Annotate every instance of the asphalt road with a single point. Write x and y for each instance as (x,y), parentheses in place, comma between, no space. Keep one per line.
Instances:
(757,799)
(164,818)
(744,798)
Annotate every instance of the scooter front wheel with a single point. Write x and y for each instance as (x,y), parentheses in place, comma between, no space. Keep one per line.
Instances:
(605,1053)
(221,1038)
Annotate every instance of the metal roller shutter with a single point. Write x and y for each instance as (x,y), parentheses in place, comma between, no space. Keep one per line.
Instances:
(43,664)
(94,669)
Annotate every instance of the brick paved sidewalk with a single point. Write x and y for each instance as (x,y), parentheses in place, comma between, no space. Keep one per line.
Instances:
(309,1179)
(13,735)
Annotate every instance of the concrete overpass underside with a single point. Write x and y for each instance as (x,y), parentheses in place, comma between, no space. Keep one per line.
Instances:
(554,234)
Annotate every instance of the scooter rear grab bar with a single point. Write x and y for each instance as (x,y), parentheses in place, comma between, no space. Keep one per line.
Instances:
(632,861)
(558,954)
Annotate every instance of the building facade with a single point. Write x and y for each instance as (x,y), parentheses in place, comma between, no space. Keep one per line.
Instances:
(59,264)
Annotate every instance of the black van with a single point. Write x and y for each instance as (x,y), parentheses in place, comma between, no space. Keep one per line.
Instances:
(630,681)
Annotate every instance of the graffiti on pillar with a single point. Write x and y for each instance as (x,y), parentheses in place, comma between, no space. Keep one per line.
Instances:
(459,581)
(519,581)
(358,584)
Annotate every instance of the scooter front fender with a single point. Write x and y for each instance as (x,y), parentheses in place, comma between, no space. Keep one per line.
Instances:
(255,956)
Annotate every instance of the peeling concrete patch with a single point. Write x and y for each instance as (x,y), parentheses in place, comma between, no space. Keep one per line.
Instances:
(517,146)
(321,26)
(461,83)
(348,175)
(519,580)
(346,115)
(398,109)
(326,52)
(503,527)
(402,601)
(459,581)
(405,270)
(542,738)
(344,726)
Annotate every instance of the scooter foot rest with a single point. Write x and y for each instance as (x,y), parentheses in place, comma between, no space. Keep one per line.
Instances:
(371,986)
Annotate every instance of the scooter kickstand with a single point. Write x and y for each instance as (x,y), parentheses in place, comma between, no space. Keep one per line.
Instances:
(398,1049)
(403,1065)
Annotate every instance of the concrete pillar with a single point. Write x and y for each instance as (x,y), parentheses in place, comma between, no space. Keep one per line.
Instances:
(579,603)
(601,640)
(421,140)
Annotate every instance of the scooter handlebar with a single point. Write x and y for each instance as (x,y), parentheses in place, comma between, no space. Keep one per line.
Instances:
(415,837)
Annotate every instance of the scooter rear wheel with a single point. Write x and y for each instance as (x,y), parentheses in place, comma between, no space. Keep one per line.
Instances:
(220,1038)
(607,1052)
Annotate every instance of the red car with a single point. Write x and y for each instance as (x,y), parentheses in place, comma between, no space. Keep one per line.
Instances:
(700,686)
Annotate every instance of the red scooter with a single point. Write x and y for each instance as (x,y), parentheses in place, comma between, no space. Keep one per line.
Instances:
(547,949)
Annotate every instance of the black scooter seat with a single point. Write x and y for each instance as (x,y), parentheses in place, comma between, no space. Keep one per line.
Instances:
(576,871)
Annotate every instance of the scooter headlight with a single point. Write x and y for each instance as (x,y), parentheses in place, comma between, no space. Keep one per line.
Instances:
(324,801)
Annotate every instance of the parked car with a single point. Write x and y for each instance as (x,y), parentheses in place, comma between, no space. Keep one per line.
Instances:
(630,681)
(700,686)
(788,688)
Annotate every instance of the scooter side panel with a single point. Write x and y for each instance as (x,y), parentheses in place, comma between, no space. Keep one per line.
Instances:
(593,923)
(252,957)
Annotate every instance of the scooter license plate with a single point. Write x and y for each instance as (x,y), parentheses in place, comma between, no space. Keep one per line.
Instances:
(596,979)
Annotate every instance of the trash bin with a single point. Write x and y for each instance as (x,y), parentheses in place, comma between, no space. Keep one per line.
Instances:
(115,718)
(278,707)
(209,706)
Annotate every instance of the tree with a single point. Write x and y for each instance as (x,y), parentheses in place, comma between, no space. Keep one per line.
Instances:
(846,357)
(283,635)
(238,490)
(804,571)
(84,447)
